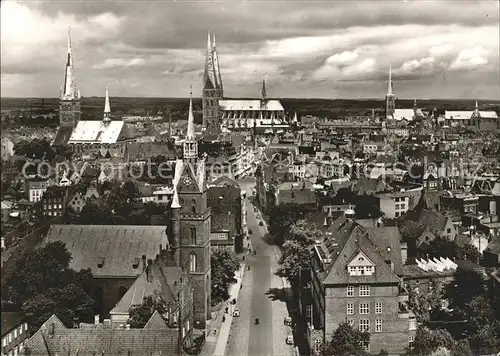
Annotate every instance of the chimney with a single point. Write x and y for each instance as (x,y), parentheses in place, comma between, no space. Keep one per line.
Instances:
(143,263)
(52,329)
(75,323)
(96,319)
(149,271)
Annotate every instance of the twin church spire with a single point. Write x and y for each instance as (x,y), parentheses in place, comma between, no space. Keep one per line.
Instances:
(211,77)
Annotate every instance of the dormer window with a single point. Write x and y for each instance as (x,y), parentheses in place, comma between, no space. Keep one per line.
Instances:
(360,265)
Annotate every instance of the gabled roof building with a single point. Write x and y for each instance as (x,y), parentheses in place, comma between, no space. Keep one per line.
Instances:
(356,276)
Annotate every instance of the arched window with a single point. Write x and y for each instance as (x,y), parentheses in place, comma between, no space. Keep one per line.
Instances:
(121,292)
(193,205)
(192,235)
(192,262)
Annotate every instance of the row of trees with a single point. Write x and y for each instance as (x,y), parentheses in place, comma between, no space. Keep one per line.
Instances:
(473,319)
(42,284)
(40,149)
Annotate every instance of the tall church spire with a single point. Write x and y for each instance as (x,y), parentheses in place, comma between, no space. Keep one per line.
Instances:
(389,86)
(390,99)
(216,63)
(107,108)
(190,128)
(263,95)
(477,106)
(70,91)
(190,145)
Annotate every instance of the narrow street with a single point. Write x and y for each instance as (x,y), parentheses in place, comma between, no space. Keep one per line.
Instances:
(262,296)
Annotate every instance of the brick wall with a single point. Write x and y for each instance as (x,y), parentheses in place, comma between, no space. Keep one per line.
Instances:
(394,335)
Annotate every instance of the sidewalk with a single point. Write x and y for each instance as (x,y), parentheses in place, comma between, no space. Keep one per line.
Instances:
(225,328)
(213,341)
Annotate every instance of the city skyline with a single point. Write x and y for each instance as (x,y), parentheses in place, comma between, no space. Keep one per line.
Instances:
(327,50)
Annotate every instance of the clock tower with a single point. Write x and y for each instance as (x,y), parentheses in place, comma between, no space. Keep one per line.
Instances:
(192,217)
(69,103)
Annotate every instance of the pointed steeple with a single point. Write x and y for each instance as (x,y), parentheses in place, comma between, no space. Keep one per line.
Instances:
(263,95)
(215,55)
(190,128)
(70,91)
(107,108)
(190,145)
(415,104)
(295,120)
(389,86)
(175,200)
(477,106)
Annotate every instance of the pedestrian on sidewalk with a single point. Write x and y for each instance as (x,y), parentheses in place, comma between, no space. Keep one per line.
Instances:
(227,309)
(223,318)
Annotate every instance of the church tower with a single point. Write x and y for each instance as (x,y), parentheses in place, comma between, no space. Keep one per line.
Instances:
(69,103)
(390,98)
(107,108)
(212,87)
(191,224)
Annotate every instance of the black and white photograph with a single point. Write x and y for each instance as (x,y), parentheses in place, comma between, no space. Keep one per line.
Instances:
(250,177)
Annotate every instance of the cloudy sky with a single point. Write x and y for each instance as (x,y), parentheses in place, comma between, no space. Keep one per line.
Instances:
(322,49)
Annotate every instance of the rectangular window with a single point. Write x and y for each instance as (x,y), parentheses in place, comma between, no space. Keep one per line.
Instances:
(4,342)
(350,308)
(350,291)
(20,330)
(364,308)
(15,333)
(10,337)
(308,311)
(397,206)
(317,344)
(403,206)
(364,325)
(364,291)
(350,322)
(411,341)
(25,326)
(378,308)
(396,214)
(366,346)
(378,325)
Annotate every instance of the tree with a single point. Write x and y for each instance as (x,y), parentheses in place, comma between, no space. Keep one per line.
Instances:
(224,264)
(422,304)
(281,218)
(42,284)
(118,200)
(140,314)
(37,149)
(94,213)
(428,341)
(294,258)
(346,341)
(131,189)
(304,232)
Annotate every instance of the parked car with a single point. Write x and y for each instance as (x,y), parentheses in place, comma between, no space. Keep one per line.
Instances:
(288,321)
(250,232)
(261,223)
(289,340)
(236,312)
(257,216)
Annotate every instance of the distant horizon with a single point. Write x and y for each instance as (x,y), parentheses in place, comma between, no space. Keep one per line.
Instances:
(256,98)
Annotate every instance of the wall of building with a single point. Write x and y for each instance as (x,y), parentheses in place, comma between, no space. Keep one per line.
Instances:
(394,335)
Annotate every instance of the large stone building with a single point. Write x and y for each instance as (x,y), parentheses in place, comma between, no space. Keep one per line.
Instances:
(221,114)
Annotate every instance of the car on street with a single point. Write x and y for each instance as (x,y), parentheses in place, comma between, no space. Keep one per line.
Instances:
(261,223)
(236,312)
(257,216)
(289,340)
(250,232)
(288,321)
